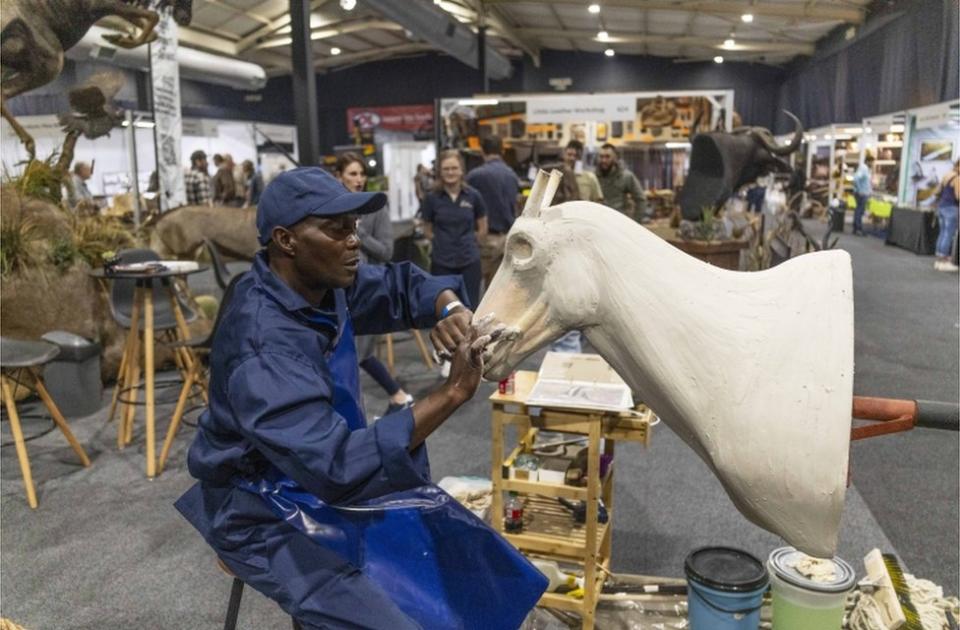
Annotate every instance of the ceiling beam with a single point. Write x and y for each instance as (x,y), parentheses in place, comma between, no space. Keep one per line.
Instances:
(372,55)
(333,30)
(742,45)
(204,41)
(853,15)
(251,39)
(495,18)
(256,17)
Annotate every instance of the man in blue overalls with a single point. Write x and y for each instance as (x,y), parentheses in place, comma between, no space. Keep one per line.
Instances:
(285,400)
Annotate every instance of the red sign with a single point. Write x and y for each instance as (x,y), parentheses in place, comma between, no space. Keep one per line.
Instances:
(393,118)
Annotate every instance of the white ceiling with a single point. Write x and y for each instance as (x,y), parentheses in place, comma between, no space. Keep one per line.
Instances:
(685,30)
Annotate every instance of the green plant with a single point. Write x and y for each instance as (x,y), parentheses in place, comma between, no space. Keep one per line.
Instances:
(94,236)
(39,178)
(62,253)
(19,238)
(705,229)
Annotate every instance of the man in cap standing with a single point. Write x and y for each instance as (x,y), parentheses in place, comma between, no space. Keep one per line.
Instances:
(285,408)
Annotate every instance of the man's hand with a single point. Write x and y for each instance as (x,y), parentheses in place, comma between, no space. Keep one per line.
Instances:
(451,331)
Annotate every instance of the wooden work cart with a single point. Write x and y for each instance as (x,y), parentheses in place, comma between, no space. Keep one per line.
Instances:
(549,530)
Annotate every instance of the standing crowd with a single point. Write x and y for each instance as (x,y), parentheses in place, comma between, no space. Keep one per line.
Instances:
(230,184)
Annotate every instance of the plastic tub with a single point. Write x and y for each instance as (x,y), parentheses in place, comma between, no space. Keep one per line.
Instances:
(801,603)
(725,589)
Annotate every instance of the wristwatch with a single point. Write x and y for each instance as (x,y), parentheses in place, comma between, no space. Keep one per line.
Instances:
(448,307)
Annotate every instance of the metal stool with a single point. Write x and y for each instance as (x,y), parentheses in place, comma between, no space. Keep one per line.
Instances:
(16,357)
(236,594)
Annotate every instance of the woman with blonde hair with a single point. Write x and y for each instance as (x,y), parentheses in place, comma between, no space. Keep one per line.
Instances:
(376,247)
(455,220)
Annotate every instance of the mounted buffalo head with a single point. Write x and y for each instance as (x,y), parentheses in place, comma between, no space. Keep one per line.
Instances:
(721,162)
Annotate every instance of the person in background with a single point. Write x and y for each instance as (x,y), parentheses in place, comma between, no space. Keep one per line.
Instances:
(77,191)
(224,186)
(948,207)
(423,181)
(587,182)
(498,185)
(376,247)
(455,220)
(254,185)
(862,189)
(621,190)
(197,180)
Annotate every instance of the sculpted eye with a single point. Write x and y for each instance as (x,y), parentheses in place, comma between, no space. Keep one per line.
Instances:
(521,250)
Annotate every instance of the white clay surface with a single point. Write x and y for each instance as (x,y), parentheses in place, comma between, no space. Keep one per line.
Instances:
(753,370)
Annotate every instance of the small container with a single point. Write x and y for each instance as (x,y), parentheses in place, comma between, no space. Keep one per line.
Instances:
(513,514)
(800,603)
(508,386)
(725,589)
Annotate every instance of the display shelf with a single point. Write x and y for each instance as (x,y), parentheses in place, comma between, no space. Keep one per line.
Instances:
(548,527)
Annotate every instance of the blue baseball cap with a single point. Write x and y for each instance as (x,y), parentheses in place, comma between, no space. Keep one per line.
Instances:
(309,191)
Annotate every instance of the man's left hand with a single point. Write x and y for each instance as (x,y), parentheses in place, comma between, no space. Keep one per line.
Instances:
(451,330)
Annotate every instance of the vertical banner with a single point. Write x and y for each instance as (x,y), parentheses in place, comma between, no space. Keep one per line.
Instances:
(168,128)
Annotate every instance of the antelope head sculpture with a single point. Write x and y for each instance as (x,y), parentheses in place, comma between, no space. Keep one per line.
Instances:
(714,353)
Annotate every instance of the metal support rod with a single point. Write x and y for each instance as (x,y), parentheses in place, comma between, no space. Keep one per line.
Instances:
(304,84)
(134,168)
(482,57)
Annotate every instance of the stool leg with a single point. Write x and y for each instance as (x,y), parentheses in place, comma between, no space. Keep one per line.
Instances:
(175,421)
(233,608)
(18,440)
(296,625)
(120,374)
(58,418)
(133,387)
(424,352)
(148,368)
(390,353)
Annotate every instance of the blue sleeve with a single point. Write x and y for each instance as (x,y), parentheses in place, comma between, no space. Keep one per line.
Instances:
(283,407)
(395,297)
(479,206)
(426,208)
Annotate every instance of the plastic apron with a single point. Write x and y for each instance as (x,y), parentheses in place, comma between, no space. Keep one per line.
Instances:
(440,564)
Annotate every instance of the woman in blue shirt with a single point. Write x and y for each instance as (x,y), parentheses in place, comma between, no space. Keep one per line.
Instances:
(455,219)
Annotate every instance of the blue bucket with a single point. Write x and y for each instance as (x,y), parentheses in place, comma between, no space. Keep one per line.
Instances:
(724,589)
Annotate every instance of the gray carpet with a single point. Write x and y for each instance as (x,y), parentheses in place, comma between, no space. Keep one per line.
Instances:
(106,549)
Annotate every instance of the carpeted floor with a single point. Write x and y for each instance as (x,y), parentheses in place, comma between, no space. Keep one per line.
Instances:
(106,549)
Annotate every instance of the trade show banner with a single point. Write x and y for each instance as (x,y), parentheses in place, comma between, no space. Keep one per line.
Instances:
(396,118)
(165,75)
(601,107)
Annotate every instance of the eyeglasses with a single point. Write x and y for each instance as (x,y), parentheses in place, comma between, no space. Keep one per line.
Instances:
(340,228)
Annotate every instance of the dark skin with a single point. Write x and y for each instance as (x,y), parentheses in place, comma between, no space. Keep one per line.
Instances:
(323,253)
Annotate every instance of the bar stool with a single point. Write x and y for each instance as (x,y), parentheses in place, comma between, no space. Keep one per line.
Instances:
(17,357)
(236,594)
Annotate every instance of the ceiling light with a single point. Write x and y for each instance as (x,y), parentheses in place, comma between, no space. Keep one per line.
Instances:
(348,5)
(897,128)
(371,162)
(478,101)
(609,52)
(729,42)
(747,17)
(718,59)
(677,145)
(594,8)
(335,51)
(603,36)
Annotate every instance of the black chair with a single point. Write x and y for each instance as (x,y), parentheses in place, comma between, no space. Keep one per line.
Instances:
(16,358)
(220,271)
(236,594)
(196,375)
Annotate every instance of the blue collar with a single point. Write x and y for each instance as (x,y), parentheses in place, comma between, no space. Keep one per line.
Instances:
(296,304)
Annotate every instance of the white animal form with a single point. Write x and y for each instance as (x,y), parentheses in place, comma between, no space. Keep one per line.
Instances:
(753,370)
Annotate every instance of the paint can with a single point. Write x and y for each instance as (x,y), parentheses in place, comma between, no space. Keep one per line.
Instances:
(801,603)
(508,386)
(725,589)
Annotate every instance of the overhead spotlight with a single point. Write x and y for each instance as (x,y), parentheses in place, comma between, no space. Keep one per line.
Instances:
(718,59)
(729,42)
(594,8)
(371,163)
(747,17)
(609,52)
(335,51)
(603,36)
(348,5)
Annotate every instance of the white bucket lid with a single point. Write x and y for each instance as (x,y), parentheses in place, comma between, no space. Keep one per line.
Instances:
(783,562)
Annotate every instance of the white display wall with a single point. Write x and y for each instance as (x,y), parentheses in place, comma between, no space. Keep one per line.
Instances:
(932,147)
(400,160)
